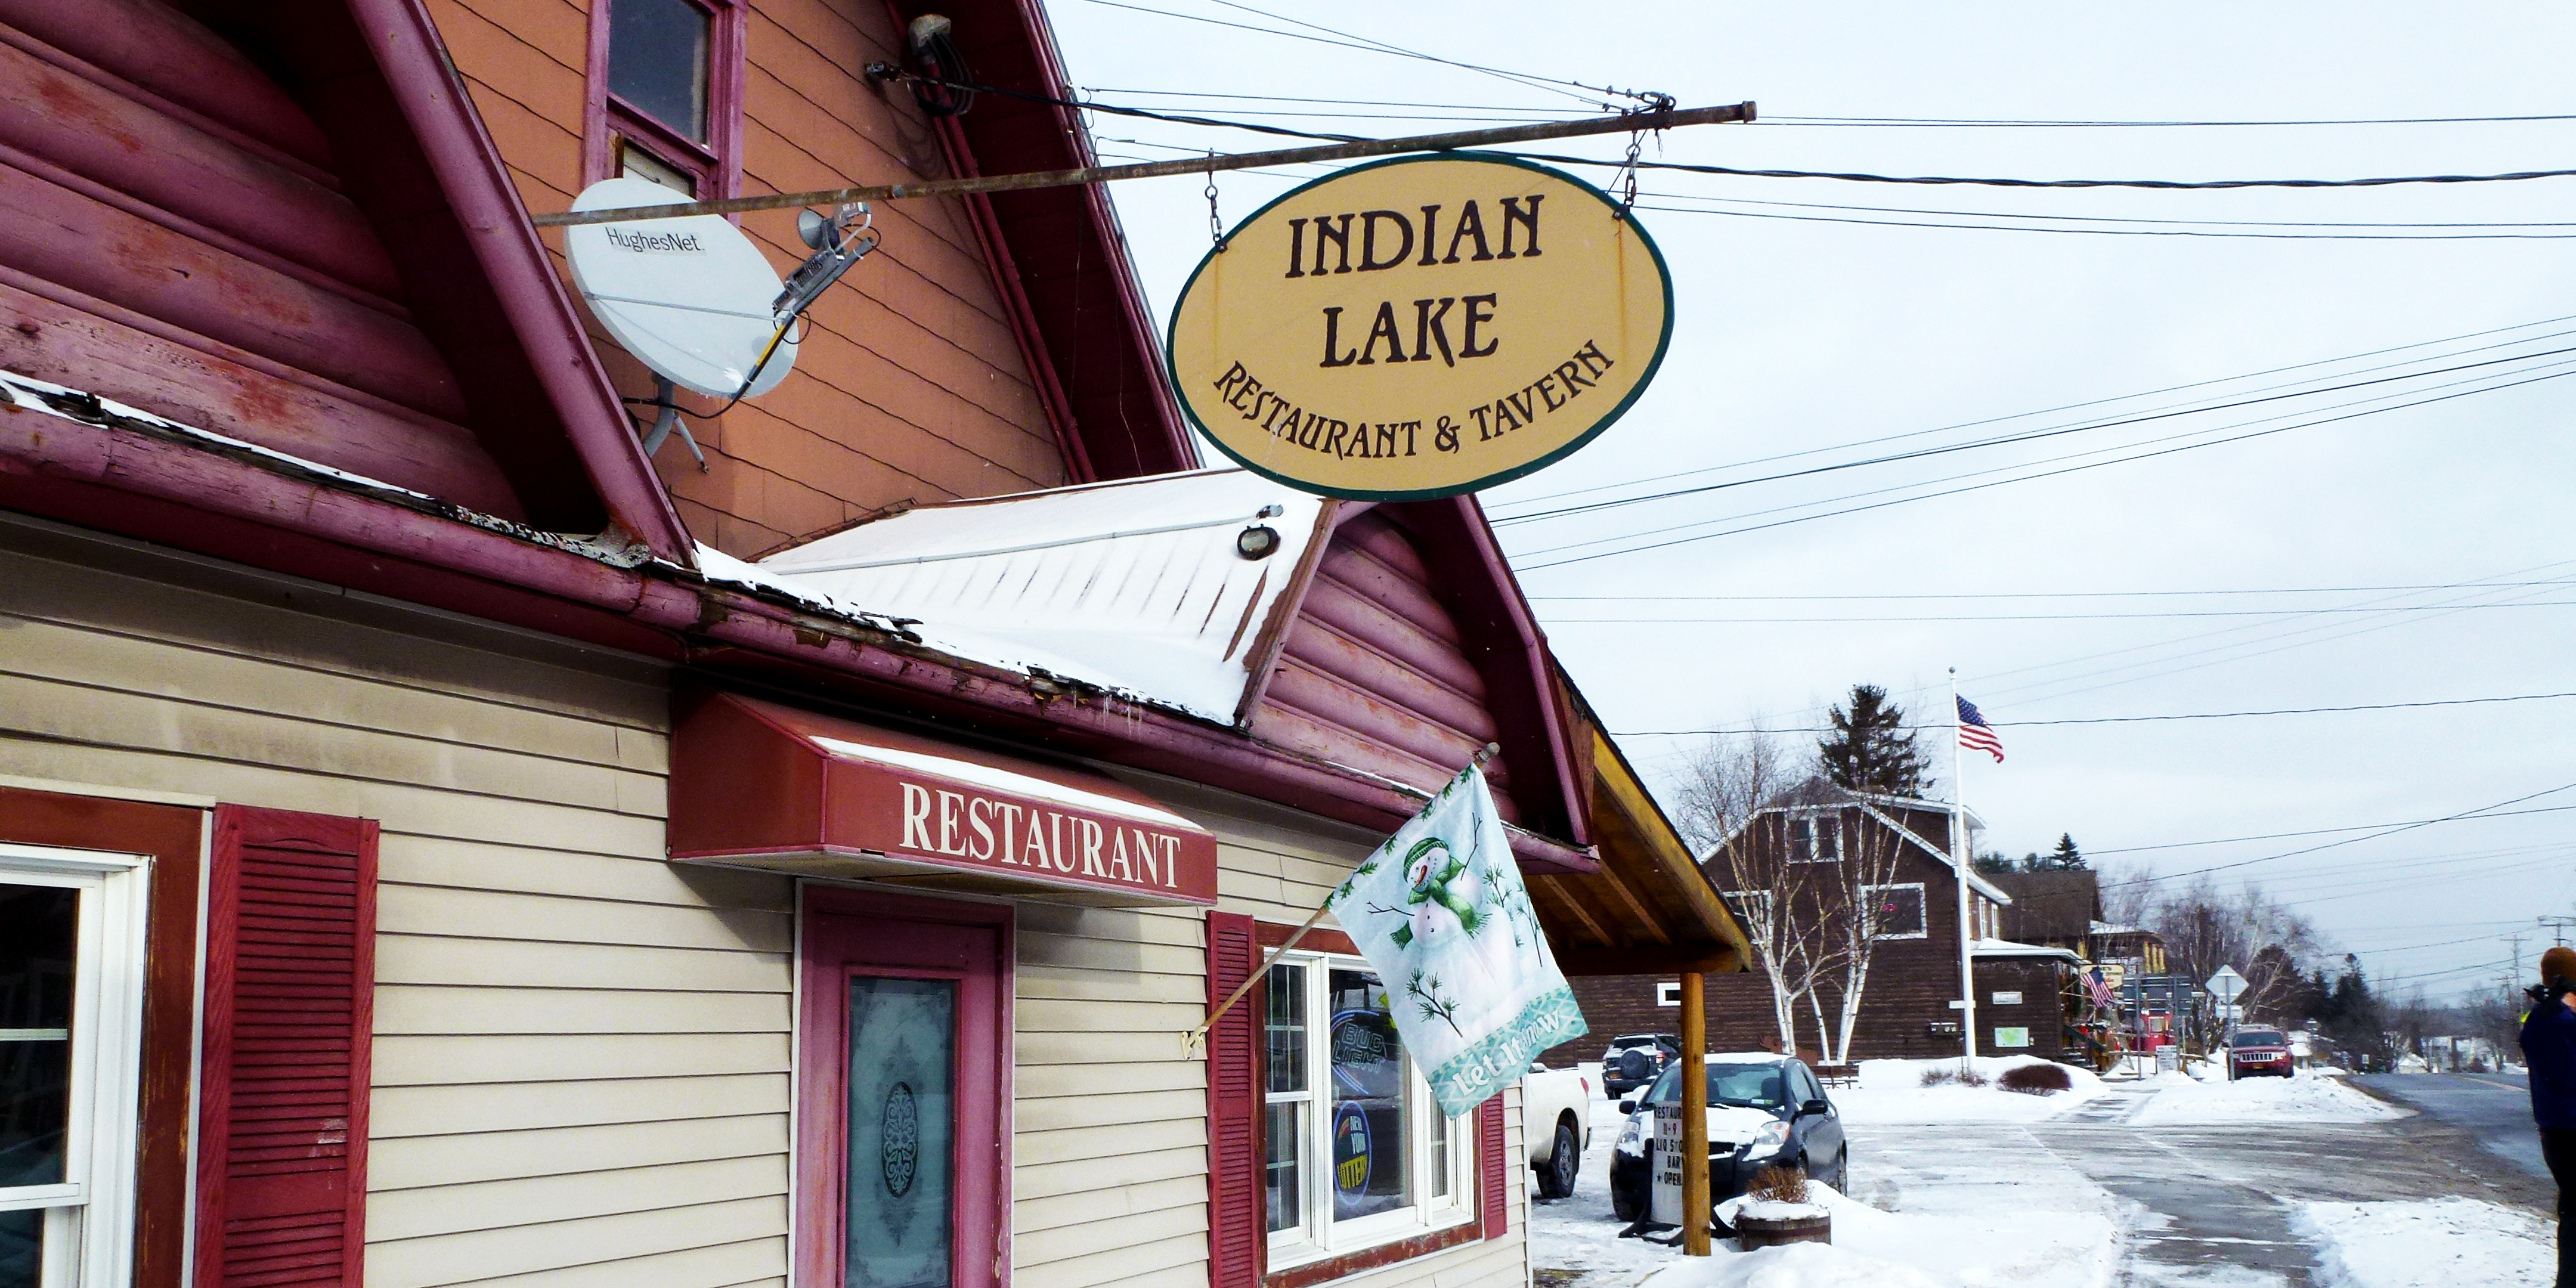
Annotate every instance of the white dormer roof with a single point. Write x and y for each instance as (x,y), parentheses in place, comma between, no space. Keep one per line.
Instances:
(1135,586)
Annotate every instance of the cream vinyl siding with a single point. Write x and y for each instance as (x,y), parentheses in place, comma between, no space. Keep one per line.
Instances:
(1109,1147)
(581,1053)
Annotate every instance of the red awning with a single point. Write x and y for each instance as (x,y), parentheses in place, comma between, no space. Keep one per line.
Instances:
(757,784)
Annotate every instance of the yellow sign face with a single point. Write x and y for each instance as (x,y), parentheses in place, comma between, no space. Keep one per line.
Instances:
(1421,327)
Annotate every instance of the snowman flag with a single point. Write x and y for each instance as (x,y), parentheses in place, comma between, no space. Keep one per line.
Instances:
(1442,916)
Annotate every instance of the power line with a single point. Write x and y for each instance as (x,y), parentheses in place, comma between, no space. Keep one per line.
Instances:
(1927,122)
(2026,436)
(2098,402)
(2106,219)
(2101,720)
(2049,594)
(2120,232)
(2356,840)
(1879,505)
(2323,831)
(2040,617)
(2183,185)
(1363,44)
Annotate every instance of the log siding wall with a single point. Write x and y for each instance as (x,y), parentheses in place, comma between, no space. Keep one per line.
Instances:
(910,384)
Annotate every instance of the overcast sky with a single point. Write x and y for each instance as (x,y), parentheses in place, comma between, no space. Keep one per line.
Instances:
(1804,336)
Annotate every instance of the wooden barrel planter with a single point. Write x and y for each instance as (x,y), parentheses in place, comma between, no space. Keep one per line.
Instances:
(1764,1232)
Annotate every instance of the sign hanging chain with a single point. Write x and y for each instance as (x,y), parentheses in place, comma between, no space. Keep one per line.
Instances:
(1216,226)
(1656,106)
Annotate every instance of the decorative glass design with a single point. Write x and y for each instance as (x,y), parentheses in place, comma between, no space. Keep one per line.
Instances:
(902,1132)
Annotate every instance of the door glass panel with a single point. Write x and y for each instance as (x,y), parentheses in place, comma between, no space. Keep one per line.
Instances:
(657,61)
(903,1068)
(1368,1089)
(39,926)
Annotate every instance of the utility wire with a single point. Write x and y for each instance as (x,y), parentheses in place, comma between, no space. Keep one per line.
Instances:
(2045,617)
(1942,122)
(2184,185)
(2025,436)
(2098,402)
(2101,219)
(2114,232)
(2025,478)
(2356,840)
(2061,594)
(1364,45)
(2101,720)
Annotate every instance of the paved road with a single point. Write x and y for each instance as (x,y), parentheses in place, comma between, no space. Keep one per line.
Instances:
(2493,1107)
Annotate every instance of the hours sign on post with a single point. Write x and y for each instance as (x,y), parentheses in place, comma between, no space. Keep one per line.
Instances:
(1421,327)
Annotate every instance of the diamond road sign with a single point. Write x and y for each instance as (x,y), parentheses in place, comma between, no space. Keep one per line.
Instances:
(2226,984)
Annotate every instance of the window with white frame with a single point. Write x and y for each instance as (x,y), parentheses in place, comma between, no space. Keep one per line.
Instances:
(1354,1150)
(1815,838)
(71,1016)
(1895,911)
(1752,909)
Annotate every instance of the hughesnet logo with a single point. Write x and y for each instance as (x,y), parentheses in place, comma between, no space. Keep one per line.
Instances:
(646,243)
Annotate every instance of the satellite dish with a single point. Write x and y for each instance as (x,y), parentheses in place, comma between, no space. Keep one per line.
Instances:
(690,297)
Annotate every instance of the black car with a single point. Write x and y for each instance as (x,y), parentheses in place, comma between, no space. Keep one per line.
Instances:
(1635,1060)
(1792,1123)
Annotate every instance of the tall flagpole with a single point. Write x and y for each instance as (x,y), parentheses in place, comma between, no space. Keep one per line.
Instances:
(1960,855)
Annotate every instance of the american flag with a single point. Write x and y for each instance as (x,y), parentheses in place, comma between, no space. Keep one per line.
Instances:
(2100,988)
(1975,733)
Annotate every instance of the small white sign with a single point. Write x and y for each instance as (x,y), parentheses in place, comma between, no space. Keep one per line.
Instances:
(2007,999)
(1666,1207)
(1959,1005)
(2226,984)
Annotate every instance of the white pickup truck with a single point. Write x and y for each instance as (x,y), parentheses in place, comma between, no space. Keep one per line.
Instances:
(1556,1122)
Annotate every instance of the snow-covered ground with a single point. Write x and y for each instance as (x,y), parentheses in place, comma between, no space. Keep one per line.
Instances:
(1967,1218)
(2427,1243)
(2307,1097)
(1892,1091)
(1954,1236)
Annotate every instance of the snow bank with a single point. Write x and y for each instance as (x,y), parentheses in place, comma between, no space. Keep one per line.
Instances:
(2307,1097)
(1892,1091)
(2423,1243)
(1980,1245)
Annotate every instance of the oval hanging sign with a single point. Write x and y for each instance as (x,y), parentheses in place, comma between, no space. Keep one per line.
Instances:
(1421,327)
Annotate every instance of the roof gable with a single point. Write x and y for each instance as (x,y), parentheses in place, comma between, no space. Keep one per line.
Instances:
(1062,247)
(280,222)
(1388,641)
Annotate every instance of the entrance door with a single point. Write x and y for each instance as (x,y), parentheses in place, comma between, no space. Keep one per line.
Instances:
(904,1146)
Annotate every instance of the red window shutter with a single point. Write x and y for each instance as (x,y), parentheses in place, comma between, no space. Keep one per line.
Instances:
(1493,1200)
(1237,1230)
(290,988)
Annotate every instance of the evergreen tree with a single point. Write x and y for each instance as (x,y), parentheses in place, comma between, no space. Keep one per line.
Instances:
(1994,861)
(2355,1021)
(2065,858)
(1870,749)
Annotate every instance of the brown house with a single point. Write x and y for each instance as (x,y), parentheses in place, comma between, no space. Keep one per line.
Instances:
(1894,852)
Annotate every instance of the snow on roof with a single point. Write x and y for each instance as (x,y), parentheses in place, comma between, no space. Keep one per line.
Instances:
(2007,948)
(1133,586)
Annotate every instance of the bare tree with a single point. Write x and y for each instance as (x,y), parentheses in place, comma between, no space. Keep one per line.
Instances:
(1860,907)
(1725,781)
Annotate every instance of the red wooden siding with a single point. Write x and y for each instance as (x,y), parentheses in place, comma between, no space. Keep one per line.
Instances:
(172,235)
(1238,1232)
(282,1110)
(1375,673)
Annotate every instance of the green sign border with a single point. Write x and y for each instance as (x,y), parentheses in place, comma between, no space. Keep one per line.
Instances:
(1663,342)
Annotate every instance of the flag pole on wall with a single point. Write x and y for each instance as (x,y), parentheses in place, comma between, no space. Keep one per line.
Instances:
(1961,856)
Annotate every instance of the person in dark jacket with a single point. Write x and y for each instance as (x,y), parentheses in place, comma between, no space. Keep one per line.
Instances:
(2549,1051)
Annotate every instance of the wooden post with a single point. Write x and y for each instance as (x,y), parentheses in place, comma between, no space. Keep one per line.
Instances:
(1694,1062)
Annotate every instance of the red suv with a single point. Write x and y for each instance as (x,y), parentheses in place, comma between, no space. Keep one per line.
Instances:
(2254,1051)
